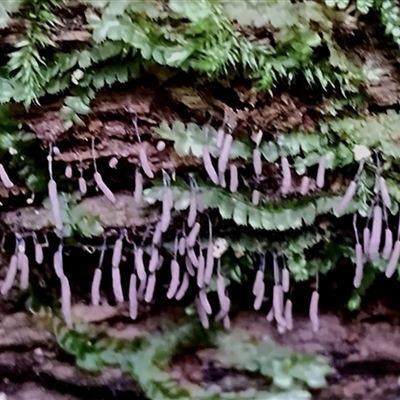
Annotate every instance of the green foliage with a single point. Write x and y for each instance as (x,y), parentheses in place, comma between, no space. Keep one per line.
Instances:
(280,16)
(390,18)
(200,37)
(306,254)
(335,139)
(87,71)
(25,149)
(374,131)
(208,43)
(7,7)
(190,139)
(82,71)
(25,63)
(305,148)
(75,106)
(76,221)
(363,6)
(268,215)
(147,359)
(288,370)
(387,10)
(24,152)
(268,42)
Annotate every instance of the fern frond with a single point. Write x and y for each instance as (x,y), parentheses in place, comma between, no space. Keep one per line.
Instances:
(306,148)
(268,216)
(147,359)
(390,18)
(210,44)
(26,62)
(8,7)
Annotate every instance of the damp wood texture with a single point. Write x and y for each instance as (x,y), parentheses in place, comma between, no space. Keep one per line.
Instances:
(221,159)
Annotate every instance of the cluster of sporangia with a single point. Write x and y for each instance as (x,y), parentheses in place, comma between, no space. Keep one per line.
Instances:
(224,143)
(281,311)
(190,258)
(373,231)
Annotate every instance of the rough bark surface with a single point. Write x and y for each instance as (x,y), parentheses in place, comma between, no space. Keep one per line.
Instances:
(365,353)
(365,350)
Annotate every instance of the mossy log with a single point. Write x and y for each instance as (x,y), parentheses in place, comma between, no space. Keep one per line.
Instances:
(103,126)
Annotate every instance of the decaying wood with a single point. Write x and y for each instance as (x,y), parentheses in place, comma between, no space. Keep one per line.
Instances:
(28,353)
(124,212)
(357,349)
